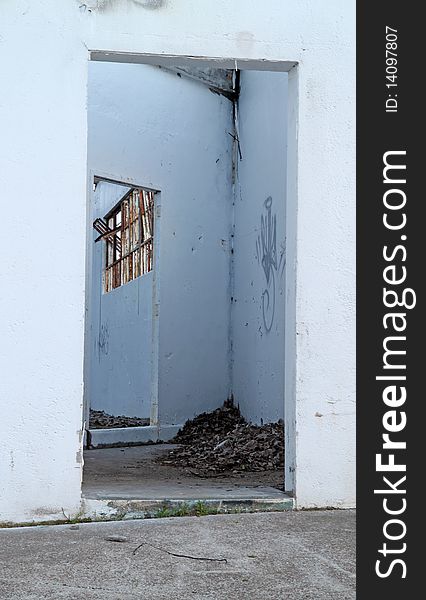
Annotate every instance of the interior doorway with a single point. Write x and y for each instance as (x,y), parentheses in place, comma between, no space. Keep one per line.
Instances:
(206,331)
(120,375)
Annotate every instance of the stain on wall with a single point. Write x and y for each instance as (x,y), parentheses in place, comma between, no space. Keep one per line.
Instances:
(103,339)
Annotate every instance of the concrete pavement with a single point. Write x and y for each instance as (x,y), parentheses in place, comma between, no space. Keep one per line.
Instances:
(269,556)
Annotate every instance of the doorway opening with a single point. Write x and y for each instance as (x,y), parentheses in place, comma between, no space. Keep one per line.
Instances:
(119,371)
(186,306)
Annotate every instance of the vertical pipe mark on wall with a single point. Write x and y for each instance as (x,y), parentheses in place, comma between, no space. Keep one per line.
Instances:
(236,155)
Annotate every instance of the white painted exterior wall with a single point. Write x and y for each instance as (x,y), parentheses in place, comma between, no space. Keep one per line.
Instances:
(43,124)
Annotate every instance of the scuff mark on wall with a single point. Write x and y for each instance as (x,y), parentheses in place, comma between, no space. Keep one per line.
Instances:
(105,4)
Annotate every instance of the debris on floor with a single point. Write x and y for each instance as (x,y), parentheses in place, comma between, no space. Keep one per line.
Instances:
(101,420)
(218,422)
(222,441)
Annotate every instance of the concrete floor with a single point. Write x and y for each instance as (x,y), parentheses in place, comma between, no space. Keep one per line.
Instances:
(133,473)
(274,556)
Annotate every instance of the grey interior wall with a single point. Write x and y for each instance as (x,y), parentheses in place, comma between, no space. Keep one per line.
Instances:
(259,248)
(158,130)
(120,330)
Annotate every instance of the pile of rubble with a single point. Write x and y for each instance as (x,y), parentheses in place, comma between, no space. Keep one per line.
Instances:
(102,420)
(222,441)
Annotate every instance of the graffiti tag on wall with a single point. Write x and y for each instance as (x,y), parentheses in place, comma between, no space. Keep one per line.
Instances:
(266,250)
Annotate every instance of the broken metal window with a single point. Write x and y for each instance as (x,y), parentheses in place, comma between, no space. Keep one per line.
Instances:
(128,232)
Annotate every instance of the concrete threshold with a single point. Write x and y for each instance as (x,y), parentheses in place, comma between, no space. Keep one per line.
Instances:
(126,509)
(131,436)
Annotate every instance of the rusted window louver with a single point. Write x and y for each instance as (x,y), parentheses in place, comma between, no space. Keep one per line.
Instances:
(128,232)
